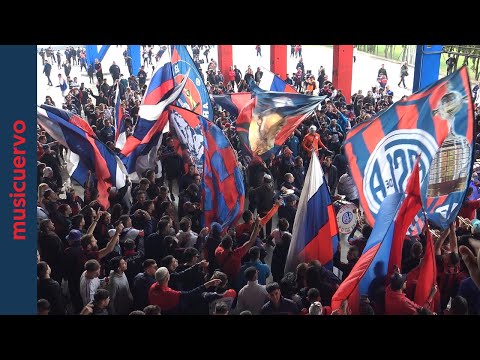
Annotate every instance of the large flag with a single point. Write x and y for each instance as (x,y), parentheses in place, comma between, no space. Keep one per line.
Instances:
(271,82)
(383,249)
(189,130)
(315,230)
(223,192)
(266,122)
(161,82)
(437,122)
(427,273)
(140,150)
(195,95)
(233,103)
(90,153)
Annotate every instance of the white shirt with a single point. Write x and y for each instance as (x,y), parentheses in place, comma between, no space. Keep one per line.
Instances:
(186,238)
(252,297)
(88,288)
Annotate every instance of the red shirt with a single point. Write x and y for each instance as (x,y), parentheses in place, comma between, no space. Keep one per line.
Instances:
(163,296)
(231,264)
(469,208)
(397,303)
(244,228)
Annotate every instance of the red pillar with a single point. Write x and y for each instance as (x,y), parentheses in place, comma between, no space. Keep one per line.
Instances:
(278,60)
(342,69)
(225,60)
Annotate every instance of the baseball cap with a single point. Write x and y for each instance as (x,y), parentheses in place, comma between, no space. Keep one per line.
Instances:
(476,226)
(397,280)
(74,236)
(312,128)
(291,197)
(216,228)
(111,232)
(267,178)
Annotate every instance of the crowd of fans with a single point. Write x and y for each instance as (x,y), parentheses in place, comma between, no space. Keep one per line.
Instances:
(152,256)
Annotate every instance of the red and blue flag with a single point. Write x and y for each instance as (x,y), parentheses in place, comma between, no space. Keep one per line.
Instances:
(436,122)
(223,191)
(233,103)
(266,122)
(76,134)
(195,95)
(384,247)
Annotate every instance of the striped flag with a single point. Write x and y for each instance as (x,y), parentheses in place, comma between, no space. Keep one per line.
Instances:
(315,229)
(90,153)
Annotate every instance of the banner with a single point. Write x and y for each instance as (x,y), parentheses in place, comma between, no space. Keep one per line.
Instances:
(437,123)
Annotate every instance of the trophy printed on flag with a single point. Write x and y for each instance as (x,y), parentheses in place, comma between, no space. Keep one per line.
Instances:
(450,167)
(193,104)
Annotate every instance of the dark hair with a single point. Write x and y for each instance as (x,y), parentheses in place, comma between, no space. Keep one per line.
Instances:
(124,219)
(86,240)
(42,268)
(76,220)
(92,265)
(152,310)
(43,225)
(162,225)
(189,254)
(185,224)
(459,306)
(166,261)
(283,224)
(101,294)
(247,215)
(272,287)
(313,294)
(147,263)
(250,273)
(254,253)
(115,263)
(227,242)
(129,244)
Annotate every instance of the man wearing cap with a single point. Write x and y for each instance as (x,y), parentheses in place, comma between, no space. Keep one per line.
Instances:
(173,301)
(397,303)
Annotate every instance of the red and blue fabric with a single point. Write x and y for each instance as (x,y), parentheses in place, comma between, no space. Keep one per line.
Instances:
(161,82)
(384,247)
(381,152)
(287,110)
(271,82)
(91,154)
(223,192)
(195,95)
(233,103)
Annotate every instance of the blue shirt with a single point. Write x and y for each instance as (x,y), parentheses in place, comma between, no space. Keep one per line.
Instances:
(293,144)
(263,272)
